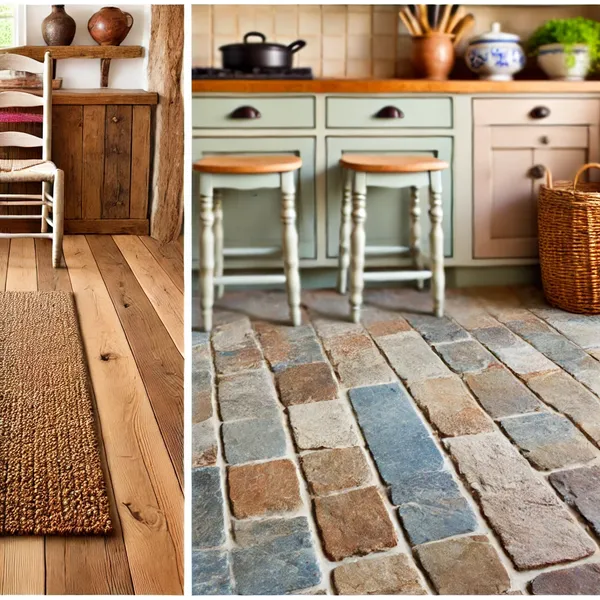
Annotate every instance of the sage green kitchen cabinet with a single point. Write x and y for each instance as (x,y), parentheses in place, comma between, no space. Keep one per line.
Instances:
(251,218)
(387,221)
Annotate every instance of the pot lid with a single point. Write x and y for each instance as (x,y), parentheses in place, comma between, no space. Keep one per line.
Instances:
(495,35)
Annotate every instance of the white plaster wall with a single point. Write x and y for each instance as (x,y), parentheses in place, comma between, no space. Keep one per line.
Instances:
(85,73)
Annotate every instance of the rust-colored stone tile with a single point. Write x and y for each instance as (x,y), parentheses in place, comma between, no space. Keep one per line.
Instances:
(311,382)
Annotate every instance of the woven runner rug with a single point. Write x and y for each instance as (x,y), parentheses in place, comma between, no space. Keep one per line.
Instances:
(51,479)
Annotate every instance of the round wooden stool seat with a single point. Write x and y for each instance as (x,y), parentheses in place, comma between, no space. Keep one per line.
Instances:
(389,163)
(248,164)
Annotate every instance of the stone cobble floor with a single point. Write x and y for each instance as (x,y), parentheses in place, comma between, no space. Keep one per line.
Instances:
(404,455)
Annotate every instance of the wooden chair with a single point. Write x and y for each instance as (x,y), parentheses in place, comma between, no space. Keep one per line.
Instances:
(381,170)
(245,172)
(32,170)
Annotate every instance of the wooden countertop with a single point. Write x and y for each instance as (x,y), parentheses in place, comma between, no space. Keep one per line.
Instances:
(103,96)
(391,86)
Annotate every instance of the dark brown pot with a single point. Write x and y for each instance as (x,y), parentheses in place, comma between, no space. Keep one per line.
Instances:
(110,26)
(58,28)
(433,55)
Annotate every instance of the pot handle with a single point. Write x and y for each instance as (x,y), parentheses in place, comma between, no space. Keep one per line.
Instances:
(295,46)
(262,36)
(129,19)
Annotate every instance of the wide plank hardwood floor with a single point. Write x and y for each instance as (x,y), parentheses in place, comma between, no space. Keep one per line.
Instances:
(129,296)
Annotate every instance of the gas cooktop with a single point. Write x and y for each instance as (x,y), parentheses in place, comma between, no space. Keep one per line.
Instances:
(209,73)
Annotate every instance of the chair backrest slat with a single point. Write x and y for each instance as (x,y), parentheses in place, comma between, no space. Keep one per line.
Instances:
(16,62)
(19,138)
(18,99)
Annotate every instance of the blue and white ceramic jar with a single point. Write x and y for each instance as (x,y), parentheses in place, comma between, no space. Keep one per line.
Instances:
(495,55)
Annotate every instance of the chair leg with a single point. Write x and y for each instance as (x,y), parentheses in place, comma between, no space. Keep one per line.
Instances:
(218,233)
(345,228)
(45,209)
(58,209)
(436,243)
(415,232)
(290,245)
(207,251)
(357,244)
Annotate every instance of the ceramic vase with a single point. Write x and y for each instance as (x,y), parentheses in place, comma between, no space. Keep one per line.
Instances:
(566,65)
(110,26)
(433,55)
(58,28)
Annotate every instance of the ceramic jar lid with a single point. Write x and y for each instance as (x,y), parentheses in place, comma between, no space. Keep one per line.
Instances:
(495,35)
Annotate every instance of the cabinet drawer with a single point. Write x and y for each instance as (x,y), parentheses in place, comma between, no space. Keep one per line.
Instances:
(539,137)
(362,113)
(513,111)
(275,113)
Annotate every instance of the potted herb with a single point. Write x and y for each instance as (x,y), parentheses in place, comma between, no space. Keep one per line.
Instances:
(567,49)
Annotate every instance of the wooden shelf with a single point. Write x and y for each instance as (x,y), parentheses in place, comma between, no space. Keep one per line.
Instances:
(104,53)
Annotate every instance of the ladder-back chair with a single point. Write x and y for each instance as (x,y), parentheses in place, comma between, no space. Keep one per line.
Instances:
(40,170)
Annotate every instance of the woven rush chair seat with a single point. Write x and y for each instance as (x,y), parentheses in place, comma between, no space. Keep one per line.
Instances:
(26,170)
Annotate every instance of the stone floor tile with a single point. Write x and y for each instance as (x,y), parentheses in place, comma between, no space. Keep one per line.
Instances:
(335,470)
(449,407)
(275,556)
(354,523)
(202,385)
(583,580)
(435,330)
(501,394)
(467,311)
(385,575)
(580,488)
(516,354)
(302,384)
(594,353)
(208,524)
(235,347)
(584,330)
(411,357)
(247,395)
(200,338)
(210,573)
(379,322)
(253,439)
(357,361)
(535,528)
(466,356)
(204,444)
(464,566)
(322,425)
(549,441)
(263,489)
(569,397)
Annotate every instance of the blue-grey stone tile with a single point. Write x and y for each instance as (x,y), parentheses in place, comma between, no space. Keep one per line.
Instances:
(277,557)
(253,439)
(466,356)
(208,525)
(210,573)
(247,395)
(436,330)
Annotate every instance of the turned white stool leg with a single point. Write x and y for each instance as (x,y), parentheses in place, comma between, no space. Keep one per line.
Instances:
(345,228)
(45,208)
(415,232)
(290,245)
(357,244)
(436,242)
(58,216)
(207,251)
(218,233)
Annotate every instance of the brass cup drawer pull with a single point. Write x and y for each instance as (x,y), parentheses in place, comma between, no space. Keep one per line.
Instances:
(245,112)
(389,112)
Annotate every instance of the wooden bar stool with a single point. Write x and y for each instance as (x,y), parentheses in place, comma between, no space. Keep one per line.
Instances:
(364,170)
(245,172)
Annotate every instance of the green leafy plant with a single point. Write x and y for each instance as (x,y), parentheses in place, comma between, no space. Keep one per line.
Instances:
(569,32)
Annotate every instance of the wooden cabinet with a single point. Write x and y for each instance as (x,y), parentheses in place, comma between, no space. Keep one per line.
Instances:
(509,165)
(102,141)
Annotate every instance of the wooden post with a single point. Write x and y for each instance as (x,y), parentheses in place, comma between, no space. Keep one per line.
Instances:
(165,60)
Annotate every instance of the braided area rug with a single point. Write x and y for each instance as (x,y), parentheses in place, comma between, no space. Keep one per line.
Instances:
(51,479)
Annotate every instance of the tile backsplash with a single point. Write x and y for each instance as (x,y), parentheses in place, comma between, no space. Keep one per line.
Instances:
(352,41)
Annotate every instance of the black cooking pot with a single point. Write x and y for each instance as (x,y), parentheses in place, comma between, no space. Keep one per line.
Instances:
(259,55)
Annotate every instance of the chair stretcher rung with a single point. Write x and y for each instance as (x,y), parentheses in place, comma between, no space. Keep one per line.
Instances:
(20,217)
(380,250)
(242,252)
(249,279)
(26,235)
(25,196)
(406,275)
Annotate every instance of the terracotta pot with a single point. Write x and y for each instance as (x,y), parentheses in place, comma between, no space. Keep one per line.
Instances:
(110,26)
(58,28)
(433,55)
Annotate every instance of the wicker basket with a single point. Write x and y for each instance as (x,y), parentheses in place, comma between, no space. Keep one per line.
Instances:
(569,242)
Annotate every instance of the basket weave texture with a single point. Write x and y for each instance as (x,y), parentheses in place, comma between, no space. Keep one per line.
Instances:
(569,243)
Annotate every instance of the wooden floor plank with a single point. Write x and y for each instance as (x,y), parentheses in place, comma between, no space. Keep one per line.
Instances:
(21,558)
(147,492)
(169,257)
(4,251)
(92,564)
(158,360)
(165,297)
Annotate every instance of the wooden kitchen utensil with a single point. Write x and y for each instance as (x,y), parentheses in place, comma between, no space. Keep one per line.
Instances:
(455,18)
(423,18)
(462,27)
(411,22)
(444,19)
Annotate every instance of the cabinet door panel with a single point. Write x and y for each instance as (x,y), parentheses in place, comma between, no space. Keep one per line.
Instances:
(387,209)
(251,218)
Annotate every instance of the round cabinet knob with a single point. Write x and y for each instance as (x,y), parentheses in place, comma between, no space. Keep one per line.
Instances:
(389,112)
(245,112)
(539,112)
(545,140)
(537,172)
